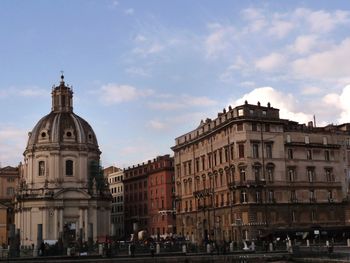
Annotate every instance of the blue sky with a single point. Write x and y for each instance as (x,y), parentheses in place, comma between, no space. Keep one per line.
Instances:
(146,72)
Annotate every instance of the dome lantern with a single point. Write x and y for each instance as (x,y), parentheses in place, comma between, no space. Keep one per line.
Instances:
(62,98)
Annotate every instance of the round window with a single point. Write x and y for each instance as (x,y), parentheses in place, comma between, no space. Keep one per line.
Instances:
(69,134)
(43,134)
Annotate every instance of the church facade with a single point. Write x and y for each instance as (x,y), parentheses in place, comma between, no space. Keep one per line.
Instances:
(62,195)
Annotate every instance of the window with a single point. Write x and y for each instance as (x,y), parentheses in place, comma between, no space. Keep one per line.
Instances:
(254,127)
(313,215)
(289,140)
(291,175)
(312,196)
(326,155)
(311,174)
(257,170)
(241,150)
(203,162)
(69,168)
(41,168)
(267,127)
(290,154)
(309,154)
(242,174)
(293,196)
(293,216)
(220,156)
(307,139)
(244,197)
(240,127)
(226,154)
(325,140)
(258,196)
(240,112)
(197,165)
(255,150)
(270,173)
(231,152)
(329,175)
(268,151)
(271,196)
(10,190)
(330,196)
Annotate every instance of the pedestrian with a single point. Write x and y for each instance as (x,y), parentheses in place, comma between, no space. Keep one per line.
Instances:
(42,249)
(152,249)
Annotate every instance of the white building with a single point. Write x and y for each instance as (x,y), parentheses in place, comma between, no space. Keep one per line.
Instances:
(62,194)
(116,187)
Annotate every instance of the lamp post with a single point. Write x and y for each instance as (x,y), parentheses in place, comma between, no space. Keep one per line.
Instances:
(239,226)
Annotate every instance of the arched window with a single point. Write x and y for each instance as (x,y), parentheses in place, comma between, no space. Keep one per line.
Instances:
(41,168)
(69,168)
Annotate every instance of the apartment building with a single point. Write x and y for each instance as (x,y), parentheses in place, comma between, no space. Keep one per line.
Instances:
(116,187)
(149,197)
(250,175)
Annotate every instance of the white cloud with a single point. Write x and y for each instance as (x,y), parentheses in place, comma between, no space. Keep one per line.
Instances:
(182,102)
(331,64)
(113,93)
(32,92)
(280,28)
(287,104)
(219,40)
(12,145)
(156,125)
(129,11)
(312,90)
(26,91)
(339,103)
(148,49)
(304,43)
(166,105)
(239,65)
(271,62)
(322,21)
(137,71)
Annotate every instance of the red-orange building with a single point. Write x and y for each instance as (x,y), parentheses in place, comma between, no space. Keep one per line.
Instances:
(149,193)
(161,188)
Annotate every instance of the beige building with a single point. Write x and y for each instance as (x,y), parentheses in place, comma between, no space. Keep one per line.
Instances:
(62,194)
(116,187)
(9,177)
(250,175)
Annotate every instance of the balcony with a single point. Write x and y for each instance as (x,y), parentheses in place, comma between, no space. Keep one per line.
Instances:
(312,200)
(247,184)
(203,193)
(294,200)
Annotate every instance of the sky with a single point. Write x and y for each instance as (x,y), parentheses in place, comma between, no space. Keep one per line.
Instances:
(146,72)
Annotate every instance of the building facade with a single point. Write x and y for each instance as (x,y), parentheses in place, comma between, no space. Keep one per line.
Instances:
(161,189)
(116,187)
(9,177)
(249,175)
(148,195)
(62,194)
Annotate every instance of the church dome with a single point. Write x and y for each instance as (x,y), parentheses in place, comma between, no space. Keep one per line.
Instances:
(61,127)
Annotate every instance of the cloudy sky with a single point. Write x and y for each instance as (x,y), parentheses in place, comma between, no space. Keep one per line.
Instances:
(145,72)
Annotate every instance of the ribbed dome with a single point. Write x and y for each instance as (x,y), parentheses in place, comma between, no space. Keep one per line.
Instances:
(62,126)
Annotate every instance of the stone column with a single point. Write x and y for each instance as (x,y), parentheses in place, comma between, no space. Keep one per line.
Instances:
(61,220)
(55,220)
(86,224)
(44,222)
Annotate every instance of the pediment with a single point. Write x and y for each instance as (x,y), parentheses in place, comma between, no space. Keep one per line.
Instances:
(72,193)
